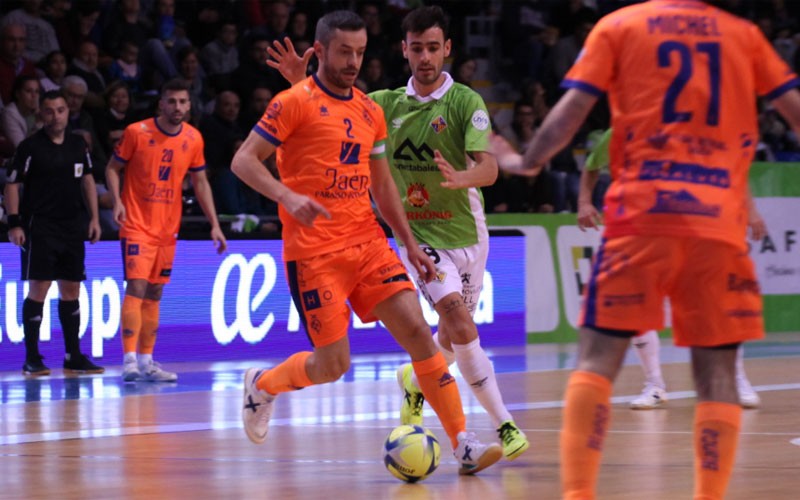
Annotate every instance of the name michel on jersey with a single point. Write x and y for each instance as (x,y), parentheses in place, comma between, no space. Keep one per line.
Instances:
(683,25)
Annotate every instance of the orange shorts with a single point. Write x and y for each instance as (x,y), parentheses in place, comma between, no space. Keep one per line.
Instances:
(712,287)
(364,274)
(146,261)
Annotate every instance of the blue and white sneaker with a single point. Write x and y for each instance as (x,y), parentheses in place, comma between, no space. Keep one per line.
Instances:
(257,408)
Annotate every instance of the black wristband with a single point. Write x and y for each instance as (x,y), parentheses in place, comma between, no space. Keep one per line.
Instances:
(14,220)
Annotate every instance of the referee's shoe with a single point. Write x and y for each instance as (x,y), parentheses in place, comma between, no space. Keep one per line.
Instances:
(80,364)
(34,367)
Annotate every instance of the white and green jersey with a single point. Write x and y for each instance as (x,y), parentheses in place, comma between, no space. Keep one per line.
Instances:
(452,120)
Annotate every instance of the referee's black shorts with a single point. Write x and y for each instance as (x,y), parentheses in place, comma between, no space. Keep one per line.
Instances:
(53,250)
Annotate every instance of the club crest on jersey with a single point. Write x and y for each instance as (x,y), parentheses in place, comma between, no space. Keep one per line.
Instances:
(184,146)
(151,143)
(438,124)
(274,110)
(367,118)
(323,111)
(417,195)
(397,123)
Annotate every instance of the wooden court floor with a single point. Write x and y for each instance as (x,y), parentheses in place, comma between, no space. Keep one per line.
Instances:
(95,437)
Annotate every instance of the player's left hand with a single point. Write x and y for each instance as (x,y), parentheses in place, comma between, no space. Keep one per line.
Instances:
(422,263)
(219,239)
(94,231)
(452,177)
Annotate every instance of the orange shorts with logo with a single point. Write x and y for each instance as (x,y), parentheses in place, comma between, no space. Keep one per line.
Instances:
(146,261)
(363,275)
(712,287)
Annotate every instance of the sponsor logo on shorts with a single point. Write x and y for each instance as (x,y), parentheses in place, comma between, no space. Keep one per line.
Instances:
(465,278)
(709,440)
(316,298)
(315,323)
(633,299)
(133,249)
(440,276)
(683,202)
(742,284)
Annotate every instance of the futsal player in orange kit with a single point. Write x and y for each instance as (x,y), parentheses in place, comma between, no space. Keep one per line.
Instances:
(682,79)
(156,154)
(331,154)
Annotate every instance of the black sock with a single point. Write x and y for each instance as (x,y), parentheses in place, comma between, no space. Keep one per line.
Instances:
(31,321)
(69,313)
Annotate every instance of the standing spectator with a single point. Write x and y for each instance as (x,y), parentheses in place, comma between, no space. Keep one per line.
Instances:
(40,35)
(54,66)
(12,61)
(156,155)
(85,66)
(20,118)
(56,171)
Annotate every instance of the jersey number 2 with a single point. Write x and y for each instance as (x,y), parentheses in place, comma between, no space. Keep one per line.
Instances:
(671,115)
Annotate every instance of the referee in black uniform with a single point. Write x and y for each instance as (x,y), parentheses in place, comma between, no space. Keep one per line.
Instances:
(49,226)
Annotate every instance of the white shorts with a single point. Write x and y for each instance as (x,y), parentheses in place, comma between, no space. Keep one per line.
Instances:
(458,270)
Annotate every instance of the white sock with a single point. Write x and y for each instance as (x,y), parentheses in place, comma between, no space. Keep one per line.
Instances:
(478,371)
(648,347)
(130,357)
(449,357)
(145,359)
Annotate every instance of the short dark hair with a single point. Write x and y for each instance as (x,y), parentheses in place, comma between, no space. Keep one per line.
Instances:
(344,20)
(52,95)
(174,85)
(20,82)
(425,18)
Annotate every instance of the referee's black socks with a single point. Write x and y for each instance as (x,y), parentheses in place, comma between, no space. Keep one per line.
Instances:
(69,314)
(31,321)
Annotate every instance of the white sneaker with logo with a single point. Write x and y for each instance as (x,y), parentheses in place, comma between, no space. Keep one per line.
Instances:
(651,397)
(152,372)
(474,456)
(256,408)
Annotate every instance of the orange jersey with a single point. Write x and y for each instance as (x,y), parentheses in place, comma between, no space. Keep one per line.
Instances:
(155,165)
(324,145)
(682,79)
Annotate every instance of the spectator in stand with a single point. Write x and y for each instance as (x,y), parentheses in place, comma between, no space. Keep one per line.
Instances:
(80,121)
(378,41)
(20,118)
(117,114)
(523,125)
(41,37)
(191,72)
(253,70)
(126,67)
(228,136)
(276,14)
(565,52)
(168,33)
(256,104)
(12,60)
(220,57)
(463,69)
(298,27)
(85,66)
(54,66)
(79,25)
(372,75)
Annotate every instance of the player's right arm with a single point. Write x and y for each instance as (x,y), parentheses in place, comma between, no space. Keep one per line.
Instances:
(16,171)
(248,165)
(113,175)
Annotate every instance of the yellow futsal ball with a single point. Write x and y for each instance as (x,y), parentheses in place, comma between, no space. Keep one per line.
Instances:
(411,453)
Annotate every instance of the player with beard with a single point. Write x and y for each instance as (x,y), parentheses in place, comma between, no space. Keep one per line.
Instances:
(331,154)
(438,143)
(155,154)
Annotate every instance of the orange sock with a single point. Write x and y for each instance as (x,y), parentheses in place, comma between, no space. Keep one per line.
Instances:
(585,418)
(131,322)
(288,376)
(716,436)
(441,391)
(147,336)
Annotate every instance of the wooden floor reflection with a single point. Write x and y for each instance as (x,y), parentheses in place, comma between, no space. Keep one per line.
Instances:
(114,441)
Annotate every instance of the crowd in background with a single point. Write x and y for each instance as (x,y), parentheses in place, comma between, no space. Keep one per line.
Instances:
(111,56)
